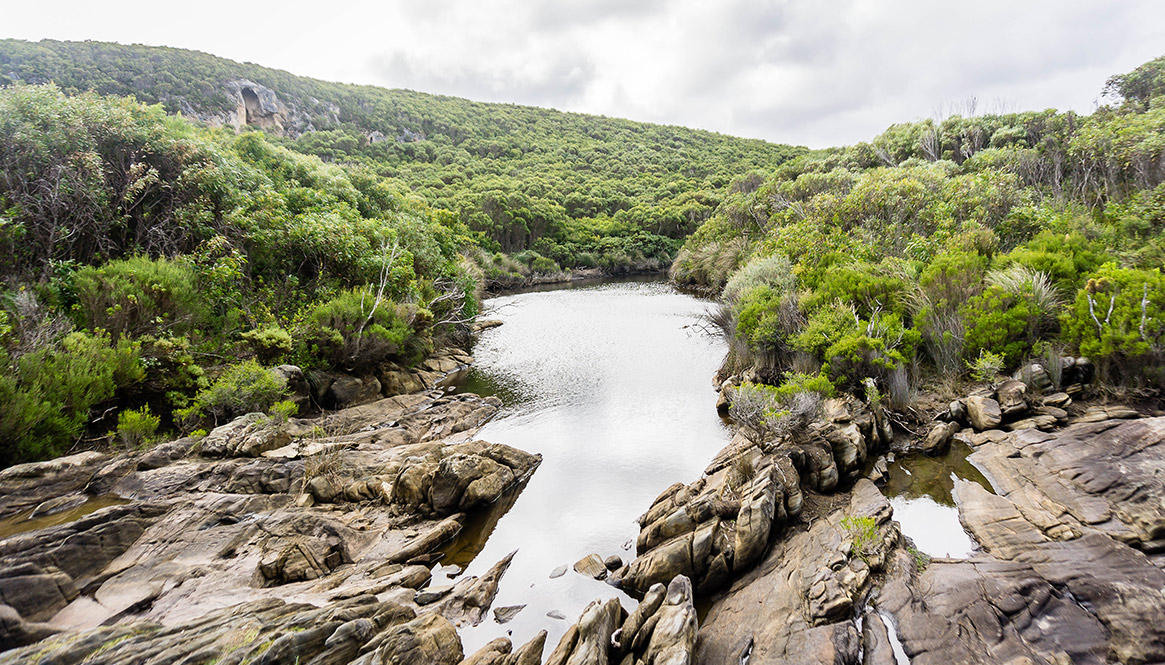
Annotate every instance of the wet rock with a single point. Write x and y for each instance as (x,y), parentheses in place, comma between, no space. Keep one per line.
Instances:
(589,639)
(613,563)
(754,523)
(493,653)
(983,412)
(673,640)
(444,531)
(1087,476)
(347,390)
(880,471)
(1034,375)
(305,559)
(297,383)
(876,647)
(1040,422)
(432,594)
(470,599)
(507,613)
(460,477)
(16,632)
(427,640)
(529,653)
(395,380)
(957,412)
(591,566)
(791,606)
(629,633)
(34,592)
(938,439)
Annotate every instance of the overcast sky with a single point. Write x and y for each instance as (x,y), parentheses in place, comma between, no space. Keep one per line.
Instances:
(811,72)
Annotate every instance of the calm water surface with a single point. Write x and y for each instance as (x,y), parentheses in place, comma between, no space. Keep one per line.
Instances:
(920,490)
(612,384)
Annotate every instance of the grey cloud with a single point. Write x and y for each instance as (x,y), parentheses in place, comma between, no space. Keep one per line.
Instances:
(554,16)
(562,80)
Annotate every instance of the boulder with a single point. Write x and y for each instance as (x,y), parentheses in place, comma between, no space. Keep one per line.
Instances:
(246,436)
(348,391)
(983,412)
(427,640)
(591,566)
(673,640)
(1012,398)
(938,439)
(587,642)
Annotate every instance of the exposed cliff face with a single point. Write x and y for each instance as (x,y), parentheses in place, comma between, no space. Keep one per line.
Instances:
(256,105)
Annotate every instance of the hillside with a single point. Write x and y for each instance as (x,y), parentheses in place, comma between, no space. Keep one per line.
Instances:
(969,245)
(582,190)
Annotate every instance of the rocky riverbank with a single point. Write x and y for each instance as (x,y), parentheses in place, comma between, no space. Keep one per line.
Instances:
(312,541)
(262,542)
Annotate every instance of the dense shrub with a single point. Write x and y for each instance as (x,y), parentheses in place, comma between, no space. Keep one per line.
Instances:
(852,348)
(868,287)
(269,342)
(768,317)
(1118,319)
(46,395)
(137,426)
(1000,323)
(245,387)
(357,331)
(943,287)
(767,413)
(1065,257)
(773,271)
(138,296)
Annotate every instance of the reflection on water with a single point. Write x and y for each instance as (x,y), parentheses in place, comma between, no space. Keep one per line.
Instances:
(612,385)
(921,492)
(23,522)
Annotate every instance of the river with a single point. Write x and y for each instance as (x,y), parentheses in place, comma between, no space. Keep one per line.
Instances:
(612,385)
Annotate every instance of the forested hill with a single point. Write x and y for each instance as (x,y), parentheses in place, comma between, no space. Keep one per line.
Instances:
(580,189)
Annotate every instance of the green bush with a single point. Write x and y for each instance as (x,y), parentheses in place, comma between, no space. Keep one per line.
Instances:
(136,427)
(355,333)
(852,348)
(269,343)
(870,288)
(282,411)
(768,317)
(1065,257)
(245,387)
(46,395)
(543,265)
(943,287)
(139,295)
(171,369)
(773,271)
(986,366)
(1118,320)
(1000,323)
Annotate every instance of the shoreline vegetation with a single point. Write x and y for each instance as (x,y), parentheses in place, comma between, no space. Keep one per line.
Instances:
(166,261)
(251,307)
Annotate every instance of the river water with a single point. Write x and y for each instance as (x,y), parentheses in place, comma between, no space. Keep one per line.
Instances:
(612,385)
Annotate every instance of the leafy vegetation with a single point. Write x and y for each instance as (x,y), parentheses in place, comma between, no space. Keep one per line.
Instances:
(143,257)
(969,243)
(580,190)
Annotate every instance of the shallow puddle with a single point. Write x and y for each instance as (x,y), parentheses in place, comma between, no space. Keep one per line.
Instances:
(920,489)
(24,522)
